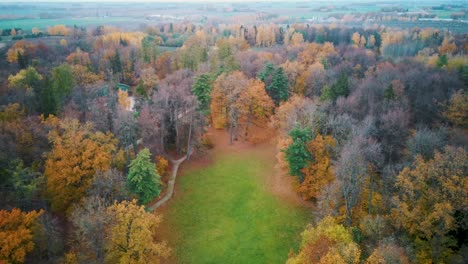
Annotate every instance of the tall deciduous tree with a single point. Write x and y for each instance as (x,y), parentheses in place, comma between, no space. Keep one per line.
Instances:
(328,242)
(143,179)
(457,112)
(432,202)
(16,236)
(77,154)
(254,105)
(226,91)
(131,235)
(27,83)
(318,172)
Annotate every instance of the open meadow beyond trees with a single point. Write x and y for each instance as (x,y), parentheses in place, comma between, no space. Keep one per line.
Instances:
(227,211)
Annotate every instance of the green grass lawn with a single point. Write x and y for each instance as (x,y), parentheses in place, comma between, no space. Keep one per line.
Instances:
(225,214)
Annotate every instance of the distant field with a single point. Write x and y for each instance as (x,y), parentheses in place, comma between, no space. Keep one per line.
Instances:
(28,24)
(224,213)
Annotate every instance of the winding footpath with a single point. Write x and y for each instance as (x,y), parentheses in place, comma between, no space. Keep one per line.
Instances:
(171,184)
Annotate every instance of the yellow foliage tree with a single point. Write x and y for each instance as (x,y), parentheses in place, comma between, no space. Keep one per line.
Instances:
(448,46)
(77,154)
(430,194)
(457,112)
(297,39)
(83,76)
(16,236)
(328,242)
(315,52)
(131,235)
(162,165)
(20,47)
(58,30)
(124,101)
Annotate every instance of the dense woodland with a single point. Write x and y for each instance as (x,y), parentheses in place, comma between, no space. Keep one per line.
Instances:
(370,123)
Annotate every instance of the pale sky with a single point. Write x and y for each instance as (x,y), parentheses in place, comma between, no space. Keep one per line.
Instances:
(182,1)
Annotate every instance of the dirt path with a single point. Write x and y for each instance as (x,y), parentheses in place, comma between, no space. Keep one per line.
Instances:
(170,185)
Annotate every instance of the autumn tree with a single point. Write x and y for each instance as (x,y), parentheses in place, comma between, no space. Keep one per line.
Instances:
(79,57)
(388,253)
(226,91)
(314,52)
(457,112)
(318,172)
(254,105)
(16,234)
(448,46)
(353,168)
(328,242)
(131,235)
(143,179)
(28,84)
(21,52)
(90,223)
(431,202)
(77,153)
(58,30)
(297,39)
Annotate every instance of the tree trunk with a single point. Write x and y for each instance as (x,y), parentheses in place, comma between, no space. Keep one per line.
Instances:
(189,137)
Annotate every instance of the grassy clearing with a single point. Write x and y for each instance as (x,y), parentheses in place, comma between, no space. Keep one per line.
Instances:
(225,214)
(28,24)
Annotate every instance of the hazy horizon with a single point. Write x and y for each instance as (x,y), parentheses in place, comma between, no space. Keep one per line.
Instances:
(221,2)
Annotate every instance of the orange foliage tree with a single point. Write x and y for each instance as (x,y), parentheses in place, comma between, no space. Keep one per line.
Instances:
(20,48)
(77,154)
(79,57)
(319,172)
(254,104)
(226,90)
(16,236)
(315,52)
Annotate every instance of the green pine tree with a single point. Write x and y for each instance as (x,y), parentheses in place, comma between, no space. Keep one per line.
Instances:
(279,87)
(143,179)
(297,153)
(389,93)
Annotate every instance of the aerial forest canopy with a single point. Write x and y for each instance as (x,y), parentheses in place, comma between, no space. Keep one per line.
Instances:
(368,125)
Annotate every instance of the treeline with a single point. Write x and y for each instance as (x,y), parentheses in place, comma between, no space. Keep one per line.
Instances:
(371,125)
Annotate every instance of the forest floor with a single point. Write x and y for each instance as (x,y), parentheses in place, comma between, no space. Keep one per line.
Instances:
(232,206)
